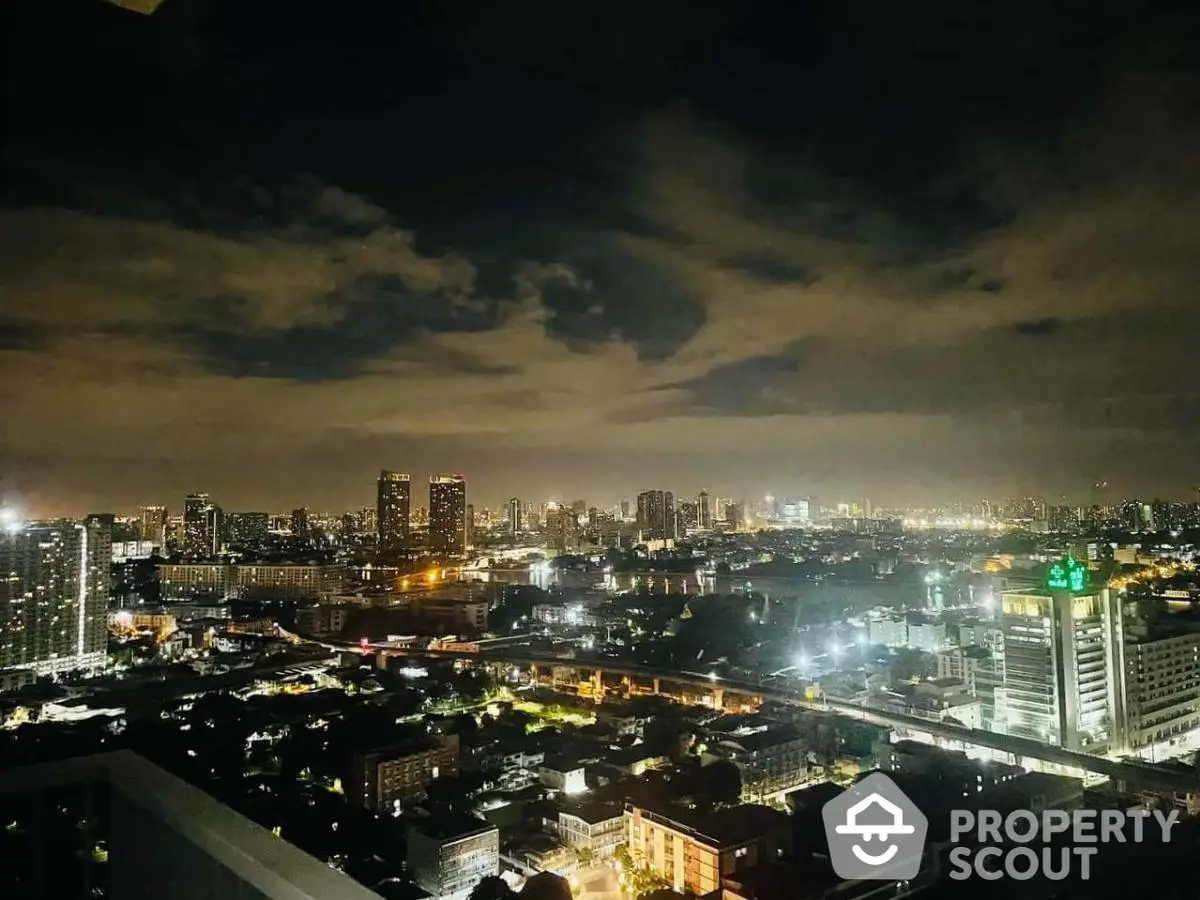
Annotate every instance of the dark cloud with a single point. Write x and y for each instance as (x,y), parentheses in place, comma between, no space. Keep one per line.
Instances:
(927,253)
(1061,379)
(1039,327)
(768,269)
(16,334)
(620,297)
(368,319)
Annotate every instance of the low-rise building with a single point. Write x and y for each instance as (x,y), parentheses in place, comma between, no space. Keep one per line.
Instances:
(562,776)
(952,767)
(926,634)
(693,852)
(771,760)
(391,775)
(963,663)
(449,854)
(323,620)
(1162,685)
(596,827)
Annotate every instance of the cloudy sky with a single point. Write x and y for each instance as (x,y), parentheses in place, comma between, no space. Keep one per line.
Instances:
(584,249)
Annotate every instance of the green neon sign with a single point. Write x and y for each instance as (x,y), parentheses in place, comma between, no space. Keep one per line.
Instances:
(1067,575)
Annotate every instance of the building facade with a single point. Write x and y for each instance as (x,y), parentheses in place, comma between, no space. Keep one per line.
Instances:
(390,776)
(1162,688)
(656,515)
(54,591)
(1062,664)
(450,855)
(448,514)
(694,852)
(217,582)
(394,496)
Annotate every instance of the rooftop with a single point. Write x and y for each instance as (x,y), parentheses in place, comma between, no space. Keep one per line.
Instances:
(451,826)
(730,827)
(594,812)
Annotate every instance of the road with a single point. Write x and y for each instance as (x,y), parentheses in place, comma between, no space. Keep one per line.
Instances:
(1137,773)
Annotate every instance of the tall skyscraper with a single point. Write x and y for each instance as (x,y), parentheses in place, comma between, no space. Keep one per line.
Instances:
(656,515)
(301,526)
(153,525)
(687,517)
(1063,669)
(704,511)
(391,510)
(54,587)
(514,516)
(203,527)
(448,514)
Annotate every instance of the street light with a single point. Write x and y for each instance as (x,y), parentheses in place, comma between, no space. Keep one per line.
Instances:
(9,520)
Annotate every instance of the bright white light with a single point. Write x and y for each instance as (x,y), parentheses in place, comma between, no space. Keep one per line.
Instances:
(9,520)
(801,661)
(712,676)
(834,650)
(862,639)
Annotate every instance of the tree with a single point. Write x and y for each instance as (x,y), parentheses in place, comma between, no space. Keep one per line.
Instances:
(909,664)
(492,887)
(723,781)
(586,855)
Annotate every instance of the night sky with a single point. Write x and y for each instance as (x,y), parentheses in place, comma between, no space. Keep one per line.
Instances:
(581,249)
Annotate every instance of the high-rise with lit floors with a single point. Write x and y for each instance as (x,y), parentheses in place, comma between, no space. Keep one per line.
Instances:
(1063,647)
(704,511)
(153,525)
(656,515)
(391,510)
(54,587)
(448,514)
(514,516)
(197,541)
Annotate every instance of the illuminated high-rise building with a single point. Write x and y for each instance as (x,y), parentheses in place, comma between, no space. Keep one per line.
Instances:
(448,514)
(301,525)
(54,589)
(1063,652)
(514,516)
(152,525)
(687,517)
(203,527)
(197,540)
(391,510)
(656,515)
(704,511)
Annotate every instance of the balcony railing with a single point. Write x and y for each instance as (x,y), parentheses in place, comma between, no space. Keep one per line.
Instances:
(118,827)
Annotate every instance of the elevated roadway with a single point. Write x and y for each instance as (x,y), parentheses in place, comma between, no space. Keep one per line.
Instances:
(1137,773)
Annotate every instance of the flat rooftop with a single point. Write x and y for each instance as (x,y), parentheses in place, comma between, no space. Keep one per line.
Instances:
(727,828)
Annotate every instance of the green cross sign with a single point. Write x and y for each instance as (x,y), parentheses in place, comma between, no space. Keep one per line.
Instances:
(1067,575)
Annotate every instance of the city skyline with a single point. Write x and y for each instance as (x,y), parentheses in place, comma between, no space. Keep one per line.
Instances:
(878,261)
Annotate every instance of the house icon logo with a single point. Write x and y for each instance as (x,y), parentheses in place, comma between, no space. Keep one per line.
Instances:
(875,832)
